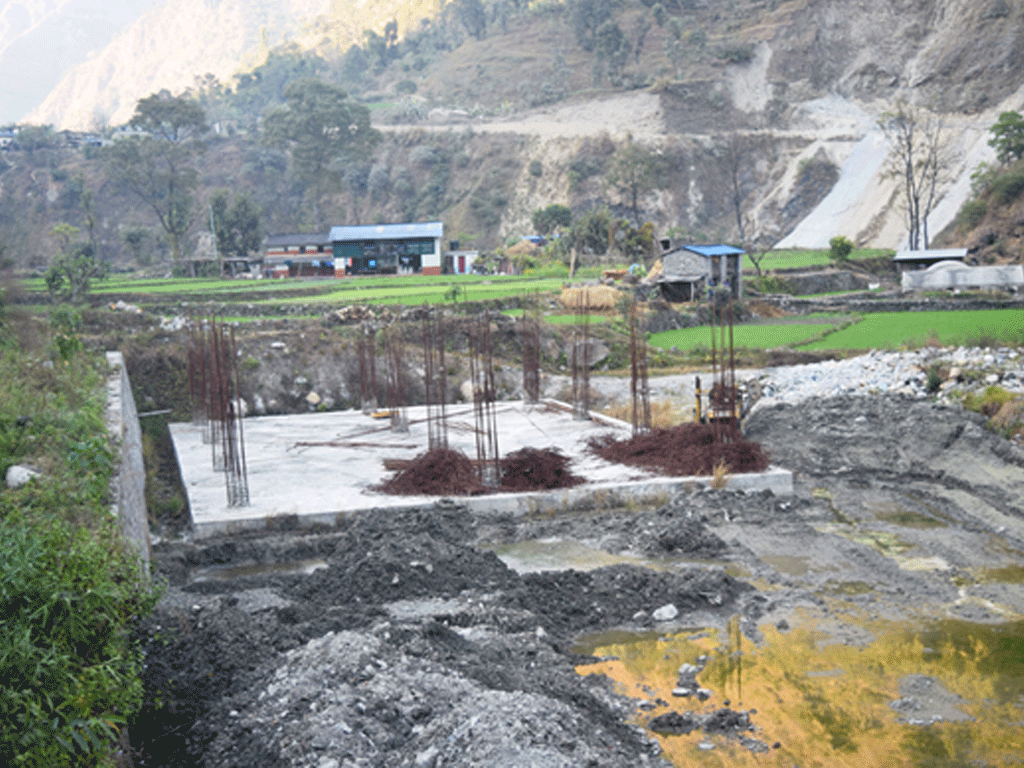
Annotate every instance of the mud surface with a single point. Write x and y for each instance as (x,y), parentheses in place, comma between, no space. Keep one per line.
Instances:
(414,645)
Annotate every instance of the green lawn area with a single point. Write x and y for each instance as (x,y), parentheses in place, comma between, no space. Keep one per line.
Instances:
(890,330)
(881,330)
(744,336)
(387,289)
(794,259)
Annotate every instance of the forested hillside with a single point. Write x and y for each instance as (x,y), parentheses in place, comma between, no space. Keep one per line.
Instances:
(750,121)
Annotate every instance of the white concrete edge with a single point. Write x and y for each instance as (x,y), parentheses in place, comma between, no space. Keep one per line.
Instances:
(580,498)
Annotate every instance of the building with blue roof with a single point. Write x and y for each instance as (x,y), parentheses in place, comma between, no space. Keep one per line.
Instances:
(380,249)
(689,272)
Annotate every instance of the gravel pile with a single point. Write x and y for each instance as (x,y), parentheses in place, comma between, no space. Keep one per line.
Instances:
(904,373)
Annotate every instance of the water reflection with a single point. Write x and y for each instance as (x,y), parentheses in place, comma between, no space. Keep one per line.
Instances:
(825,703)
(223,572)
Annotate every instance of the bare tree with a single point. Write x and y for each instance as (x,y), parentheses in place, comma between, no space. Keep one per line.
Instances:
(735,161)
(918,162)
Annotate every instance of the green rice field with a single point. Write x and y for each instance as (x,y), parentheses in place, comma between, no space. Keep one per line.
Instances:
(882,330)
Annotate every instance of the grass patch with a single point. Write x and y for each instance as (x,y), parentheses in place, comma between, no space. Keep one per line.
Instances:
(901,330)
(70,588)
(744,336)
(795,259)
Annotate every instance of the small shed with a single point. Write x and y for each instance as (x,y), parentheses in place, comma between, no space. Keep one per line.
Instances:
(689,270)
(923,258)
(460,262)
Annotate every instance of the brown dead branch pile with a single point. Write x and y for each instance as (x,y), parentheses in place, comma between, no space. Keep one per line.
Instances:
(440,472)
(532,469)
(689,449)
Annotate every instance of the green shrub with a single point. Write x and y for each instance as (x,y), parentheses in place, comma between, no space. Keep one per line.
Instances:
(69,676)
(70,589)
(770,284)
(840,248)
(1007,188)
(971,215)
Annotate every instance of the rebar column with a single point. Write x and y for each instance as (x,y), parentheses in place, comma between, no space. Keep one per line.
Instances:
(638,387)
(481,366)
(435,379)
(397,400)
(368,367)
(530,334)
(581,359)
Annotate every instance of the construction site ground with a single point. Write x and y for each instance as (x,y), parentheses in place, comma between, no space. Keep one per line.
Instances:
(313,469)
(404,638)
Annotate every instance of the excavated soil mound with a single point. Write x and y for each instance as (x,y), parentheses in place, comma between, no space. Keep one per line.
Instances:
(689,449)
(532,469)
(439,472)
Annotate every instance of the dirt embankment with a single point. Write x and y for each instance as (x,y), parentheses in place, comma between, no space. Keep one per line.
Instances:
(409,645)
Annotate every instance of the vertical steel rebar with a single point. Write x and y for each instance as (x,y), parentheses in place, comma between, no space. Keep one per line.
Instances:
(368,367)
(397,400)
(481,364)
(531,351)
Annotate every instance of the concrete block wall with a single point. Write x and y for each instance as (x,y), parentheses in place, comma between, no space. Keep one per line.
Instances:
(130,480)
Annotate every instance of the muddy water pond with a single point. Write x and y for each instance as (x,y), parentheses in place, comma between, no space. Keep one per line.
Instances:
(950,693)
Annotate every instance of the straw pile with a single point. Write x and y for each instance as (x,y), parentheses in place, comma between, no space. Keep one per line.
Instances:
(594,298)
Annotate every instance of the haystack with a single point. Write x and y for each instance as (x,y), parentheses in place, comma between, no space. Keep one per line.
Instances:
(591,298)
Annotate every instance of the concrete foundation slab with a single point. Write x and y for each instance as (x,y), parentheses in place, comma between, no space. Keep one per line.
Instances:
(313,469)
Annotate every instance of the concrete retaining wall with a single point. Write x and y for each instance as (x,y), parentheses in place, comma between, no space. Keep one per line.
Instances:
(130,480)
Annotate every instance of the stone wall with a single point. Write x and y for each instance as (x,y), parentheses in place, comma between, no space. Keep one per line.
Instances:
(883,304)
(130,480)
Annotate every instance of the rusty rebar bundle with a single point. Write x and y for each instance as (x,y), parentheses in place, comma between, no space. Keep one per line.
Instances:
(368,367)
(638,386)
(581,359)
(397,395)
(481,367)
(530,327)
(435,378)
(213,384)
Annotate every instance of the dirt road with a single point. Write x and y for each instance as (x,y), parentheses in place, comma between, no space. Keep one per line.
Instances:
(405,641)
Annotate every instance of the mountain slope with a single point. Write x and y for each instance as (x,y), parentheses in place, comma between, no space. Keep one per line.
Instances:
(41,40)
(167,48)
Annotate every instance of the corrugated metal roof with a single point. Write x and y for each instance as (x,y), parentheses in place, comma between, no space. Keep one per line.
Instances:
(931,253)
(715,250)
(302,238)
(387,231)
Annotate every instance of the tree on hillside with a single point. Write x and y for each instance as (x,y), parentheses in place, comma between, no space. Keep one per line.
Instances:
(158,164)
(236,227)
(473,16)
(586,17)
(917,160)
(635,173)
(735,158)
(611,52)
(554,217)
(319,125)
(73,269)
(1008,137)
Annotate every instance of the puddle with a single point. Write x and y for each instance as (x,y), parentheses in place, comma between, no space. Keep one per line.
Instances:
(900,515)
(946,694)
(791,565)
(560,555)
(224,572)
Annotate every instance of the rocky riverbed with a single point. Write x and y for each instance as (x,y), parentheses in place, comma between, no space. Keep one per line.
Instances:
(403,640)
